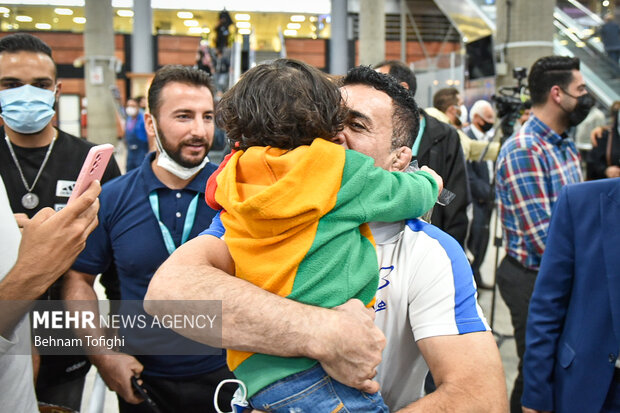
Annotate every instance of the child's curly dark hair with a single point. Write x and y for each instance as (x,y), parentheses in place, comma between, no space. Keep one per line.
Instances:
(284,104)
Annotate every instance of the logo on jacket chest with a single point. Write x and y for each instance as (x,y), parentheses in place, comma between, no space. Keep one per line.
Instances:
(64,188)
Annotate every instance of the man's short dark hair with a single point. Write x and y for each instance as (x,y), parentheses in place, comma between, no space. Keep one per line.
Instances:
(550,71)
(25,42)
(406,115)
(284,104)
(446,97)
(175,73)
(401,72)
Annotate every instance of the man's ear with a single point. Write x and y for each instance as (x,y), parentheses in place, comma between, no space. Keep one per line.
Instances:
(58,89)
(148,125)
(401,159)
(554,94)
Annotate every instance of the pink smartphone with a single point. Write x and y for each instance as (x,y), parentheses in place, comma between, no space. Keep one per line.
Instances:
(93,168)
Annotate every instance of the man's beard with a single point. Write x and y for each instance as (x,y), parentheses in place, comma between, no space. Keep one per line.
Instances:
(175,153)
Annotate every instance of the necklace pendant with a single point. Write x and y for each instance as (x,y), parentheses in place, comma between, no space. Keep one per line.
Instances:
(30,200)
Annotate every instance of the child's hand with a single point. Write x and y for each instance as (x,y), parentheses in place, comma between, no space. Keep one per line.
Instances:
(435,176)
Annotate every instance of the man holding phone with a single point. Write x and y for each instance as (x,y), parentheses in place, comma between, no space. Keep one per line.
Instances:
(30,262)
(39,165)
(145,215)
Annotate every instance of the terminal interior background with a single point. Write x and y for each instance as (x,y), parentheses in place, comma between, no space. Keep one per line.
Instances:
(472,45)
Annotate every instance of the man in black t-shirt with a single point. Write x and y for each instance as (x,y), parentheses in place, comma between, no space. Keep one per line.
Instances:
(39,165)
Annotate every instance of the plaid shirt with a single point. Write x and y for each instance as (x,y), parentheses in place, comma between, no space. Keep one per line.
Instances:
(532,167)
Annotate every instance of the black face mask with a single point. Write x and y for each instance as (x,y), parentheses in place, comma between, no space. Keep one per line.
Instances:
(486,126)
(581,110)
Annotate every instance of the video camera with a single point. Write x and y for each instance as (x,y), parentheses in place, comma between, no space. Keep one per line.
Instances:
(508,102)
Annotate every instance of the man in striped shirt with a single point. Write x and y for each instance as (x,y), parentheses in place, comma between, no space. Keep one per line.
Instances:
(532,167)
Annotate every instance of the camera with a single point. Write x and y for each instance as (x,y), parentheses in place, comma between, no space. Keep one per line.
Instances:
(519,73)
(508,102)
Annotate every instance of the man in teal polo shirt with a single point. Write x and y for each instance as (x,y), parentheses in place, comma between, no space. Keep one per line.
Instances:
(145,216)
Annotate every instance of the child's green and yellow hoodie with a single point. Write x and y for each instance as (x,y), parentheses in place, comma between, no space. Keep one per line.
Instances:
(295,225)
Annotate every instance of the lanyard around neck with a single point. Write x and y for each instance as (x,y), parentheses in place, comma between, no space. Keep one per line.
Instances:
(418,139)
(187,225)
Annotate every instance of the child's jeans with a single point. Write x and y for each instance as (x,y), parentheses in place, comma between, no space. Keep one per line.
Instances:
(313,390)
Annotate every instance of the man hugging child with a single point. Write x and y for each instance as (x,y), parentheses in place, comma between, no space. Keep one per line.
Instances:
(295,207)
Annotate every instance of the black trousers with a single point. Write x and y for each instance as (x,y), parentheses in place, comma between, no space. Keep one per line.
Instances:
(612,402)
(479,237)
(65,394)
(187,395)
(516,284)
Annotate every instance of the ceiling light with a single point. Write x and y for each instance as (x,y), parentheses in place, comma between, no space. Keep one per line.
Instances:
(195,30)
(606,3)
(293,26)
(185,15)
(125,13)
(298,18)
(4,10)
(313,18)
(243,25)
(43,26)
(290,32)
(79,20)
(24,19)
(242,17)
(191,23)
(245,31)
(64,12)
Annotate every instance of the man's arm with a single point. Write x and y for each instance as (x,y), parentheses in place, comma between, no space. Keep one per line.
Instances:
(597,133)
(50,243)
(259,321)
(548,308)
(468,372)
(115,368)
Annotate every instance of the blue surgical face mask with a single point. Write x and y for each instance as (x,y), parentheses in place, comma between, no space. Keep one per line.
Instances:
(27,109)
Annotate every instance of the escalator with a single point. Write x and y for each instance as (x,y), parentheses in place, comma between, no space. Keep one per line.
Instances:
(575,27)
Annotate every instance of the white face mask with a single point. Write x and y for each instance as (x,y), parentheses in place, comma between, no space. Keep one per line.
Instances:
(166,162)
(464,115)
(131,111)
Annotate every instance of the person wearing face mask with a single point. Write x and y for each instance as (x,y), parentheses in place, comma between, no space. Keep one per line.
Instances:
(145,215)
(448,107)
(39,165)
(480,174)
(532,168)
(135,135)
